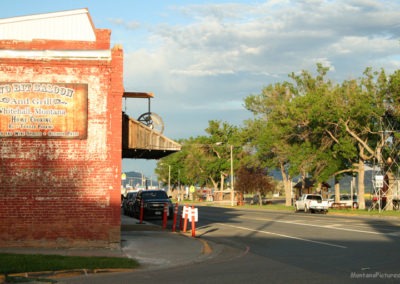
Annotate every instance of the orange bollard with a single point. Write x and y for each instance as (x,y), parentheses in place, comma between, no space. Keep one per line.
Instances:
(175,217)
(141,212)
(165,216)
(193,223)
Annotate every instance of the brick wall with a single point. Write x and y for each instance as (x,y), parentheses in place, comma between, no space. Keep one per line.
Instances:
(65,192)
(102,42)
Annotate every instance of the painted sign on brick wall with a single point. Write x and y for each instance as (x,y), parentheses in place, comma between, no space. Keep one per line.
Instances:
(43,110)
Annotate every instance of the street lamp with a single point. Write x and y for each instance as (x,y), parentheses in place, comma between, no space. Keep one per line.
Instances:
(232,179)
(169,179)
(169,176)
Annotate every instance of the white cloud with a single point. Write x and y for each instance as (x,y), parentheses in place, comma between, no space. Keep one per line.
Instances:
(224,52)
(132,25)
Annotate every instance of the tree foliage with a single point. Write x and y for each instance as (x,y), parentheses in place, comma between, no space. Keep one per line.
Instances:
(307,125)
(321,128)
(204,160)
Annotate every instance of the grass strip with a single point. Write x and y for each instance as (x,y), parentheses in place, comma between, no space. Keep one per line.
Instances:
(365,212)
(17,279)
(17,263)
(282,207)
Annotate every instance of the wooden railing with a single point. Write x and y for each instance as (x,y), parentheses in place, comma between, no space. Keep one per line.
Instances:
(140,141)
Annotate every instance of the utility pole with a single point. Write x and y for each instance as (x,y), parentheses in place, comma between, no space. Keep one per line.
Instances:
(232,179)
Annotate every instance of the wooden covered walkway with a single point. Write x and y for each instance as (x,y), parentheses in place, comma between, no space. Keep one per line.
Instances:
(141,142)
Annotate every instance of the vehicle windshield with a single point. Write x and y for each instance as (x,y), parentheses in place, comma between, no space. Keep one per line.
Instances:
(314,197)
(131,195)
(154,195)
(344,197)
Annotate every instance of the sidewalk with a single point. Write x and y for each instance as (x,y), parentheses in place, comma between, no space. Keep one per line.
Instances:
(149,244)
(154,247)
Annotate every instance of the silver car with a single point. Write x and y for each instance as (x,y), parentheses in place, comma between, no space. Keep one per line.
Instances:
(345,200)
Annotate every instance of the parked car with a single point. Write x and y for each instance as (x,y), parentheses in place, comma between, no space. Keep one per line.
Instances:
(256,200)
(153,204)
(311,203)
(345,200)
(127,204)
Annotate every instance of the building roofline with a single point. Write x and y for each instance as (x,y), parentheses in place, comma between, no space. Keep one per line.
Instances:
(45,15)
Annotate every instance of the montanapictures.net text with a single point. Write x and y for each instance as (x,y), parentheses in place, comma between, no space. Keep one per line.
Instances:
(376,275)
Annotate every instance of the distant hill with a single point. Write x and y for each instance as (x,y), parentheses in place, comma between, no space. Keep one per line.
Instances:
(136,179)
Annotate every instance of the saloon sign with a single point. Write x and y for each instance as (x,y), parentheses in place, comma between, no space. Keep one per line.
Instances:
(43,110)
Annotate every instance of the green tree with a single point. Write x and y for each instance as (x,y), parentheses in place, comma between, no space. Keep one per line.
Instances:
(292,138)
(297,134)
(354,121)
(266,133)
(309,126)
(204,160)
(339,127)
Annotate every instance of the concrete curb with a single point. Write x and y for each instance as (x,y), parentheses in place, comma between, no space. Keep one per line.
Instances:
(206,246)
(40,277)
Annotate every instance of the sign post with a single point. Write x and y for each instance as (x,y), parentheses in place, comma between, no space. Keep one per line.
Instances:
(190,214)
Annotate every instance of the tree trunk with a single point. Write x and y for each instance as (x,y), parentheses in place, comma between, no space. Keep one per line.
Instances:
(259,198)
(389,192)
(337,190)
(215,183)
(361,188)
(287,187)
(215,186)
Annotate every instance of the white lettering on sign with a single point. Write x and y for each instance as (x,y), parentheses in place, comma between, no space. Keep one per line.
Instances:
(43,110)
(189,212)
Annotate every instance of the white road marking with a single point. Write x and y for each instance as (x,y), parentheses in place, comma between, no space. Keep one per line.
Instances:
(284,236)
(319,226)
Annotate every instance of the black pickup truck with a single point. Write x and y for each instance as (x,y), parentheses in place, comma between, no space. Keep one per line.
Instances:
(153,204)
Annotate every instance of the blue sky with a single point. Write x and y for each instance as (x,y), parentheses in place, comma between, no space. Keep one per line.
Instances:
(202,58)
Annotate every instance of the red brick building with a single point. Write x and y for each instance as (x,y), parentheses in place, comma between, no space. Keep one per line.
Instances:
(61,89)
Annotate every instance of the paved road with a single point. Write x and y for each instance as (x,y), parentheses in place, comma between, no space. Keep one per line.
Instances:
(313,246)
(334,246)
(286,247)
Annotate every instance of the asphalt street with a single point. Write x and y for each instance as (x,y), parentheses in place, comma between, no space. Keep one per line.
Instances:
(281,247)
